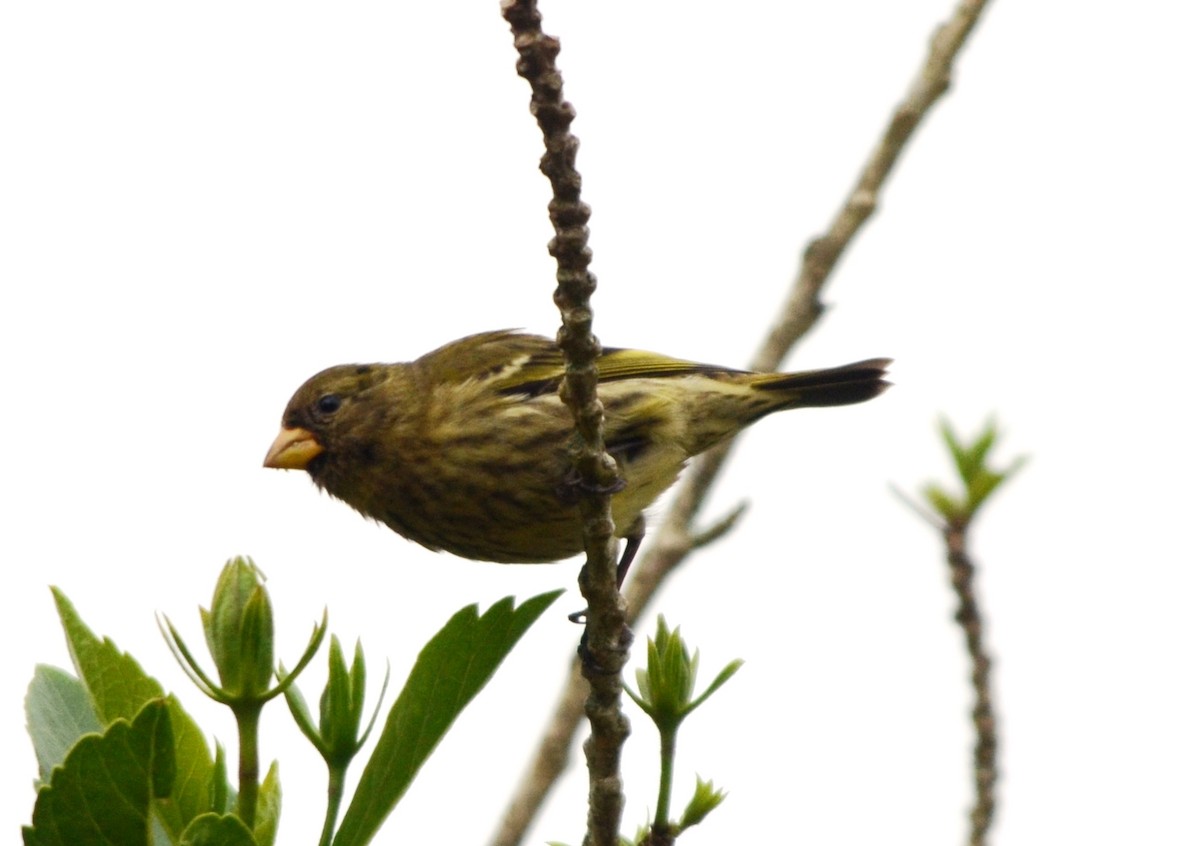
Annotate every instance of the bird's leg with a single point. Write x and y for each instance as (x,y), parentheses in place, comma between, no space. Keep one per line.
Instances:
(633,540)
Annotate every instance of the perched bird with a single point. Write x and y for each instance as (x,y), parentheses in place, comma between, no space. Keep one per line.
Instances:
(468,448)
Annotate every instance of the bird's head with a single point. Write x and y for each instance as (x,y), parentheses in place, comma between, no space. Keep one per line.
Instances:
(338,413)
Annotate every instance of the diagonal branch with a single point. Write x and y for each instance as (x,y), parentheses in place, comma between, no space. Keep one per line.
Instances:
(676,537)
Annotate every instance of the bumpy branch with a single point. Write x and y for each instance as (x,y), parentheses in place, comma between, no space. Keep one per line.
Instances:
(607,638)
(962,579)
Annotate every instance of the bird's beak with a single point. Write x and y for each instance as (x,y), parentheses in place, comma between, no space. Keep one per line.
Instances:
(292,450)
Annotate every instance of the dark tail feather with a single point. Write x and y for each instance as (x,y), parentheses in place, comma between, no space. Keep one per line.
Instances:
(843,385)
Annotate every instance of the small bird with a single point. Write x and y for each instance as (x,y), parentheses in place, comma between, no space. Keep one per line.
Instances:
(468,449)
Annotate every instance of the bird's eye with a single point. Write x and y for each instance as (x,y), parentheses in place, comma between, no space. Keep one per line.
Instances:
(329,403)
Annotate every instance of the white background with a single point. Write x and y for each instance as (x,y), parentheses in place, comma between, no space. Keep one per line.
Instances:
(203,204)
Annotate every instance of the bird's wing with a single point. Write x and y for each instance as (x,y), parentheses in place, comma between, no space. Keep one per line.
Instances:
(543,370)
(616,364)
(518,363)
(503,356)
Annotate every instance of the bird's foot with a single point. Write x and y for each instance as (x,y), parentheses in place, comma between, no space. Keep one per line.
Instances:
(572,488)
(592,664)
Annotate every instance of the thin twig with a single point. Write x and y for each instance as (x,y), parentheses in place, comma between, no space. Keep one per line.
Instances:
(953,529)
(607,638)
(675,539)
(962,577)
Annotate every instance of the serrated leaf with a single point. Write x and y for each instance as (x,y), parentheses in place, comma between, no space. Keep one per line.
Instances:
(102,793)
(192,794)
(118,688)
(217,830)
(451,669)
(57,713)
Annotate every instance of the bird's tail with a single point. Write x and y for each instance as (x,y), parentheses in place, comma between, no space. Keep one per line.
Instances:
(843,385)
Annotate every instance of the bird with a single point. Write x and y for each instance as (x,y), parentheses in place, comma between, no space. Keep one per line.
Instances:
(469,448)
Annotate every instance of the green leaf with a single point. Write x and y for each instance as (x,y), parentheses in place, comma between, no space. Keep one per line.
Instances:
(976,453)
(704,800)
(979,481)
(270,802)
(58,713)
(358,681)
(725,675)
(102,792)
(118,688)
(217,830)
(341,706)
(302,716)
(220,797)
(451,669)
(943,503)
(981,486)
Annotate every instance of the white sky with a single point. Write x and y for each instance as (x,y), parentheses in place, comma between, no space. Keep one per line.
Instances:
(202,205)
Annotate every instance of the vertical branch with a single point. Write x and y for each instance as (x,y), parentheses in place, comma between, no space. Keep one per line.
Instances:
(953,513)
(677,535)
(962,578)
(607,638)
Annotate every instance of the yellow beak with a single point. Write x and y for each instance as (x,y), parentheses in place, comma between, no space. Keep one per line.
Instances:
(292,450)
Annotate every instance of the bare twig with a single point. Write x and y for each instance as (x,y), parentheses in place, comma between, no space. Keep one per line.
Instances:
(607,638)
(962,577)
(676,538)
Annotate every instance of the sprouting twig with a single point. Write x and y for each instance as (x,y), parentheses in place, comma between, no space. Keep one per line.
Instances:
(952,513)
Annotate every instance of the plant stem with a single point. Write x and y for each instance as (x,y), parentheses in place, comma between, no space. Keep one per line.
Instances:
(247,714)
(662,814)
(337,785)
